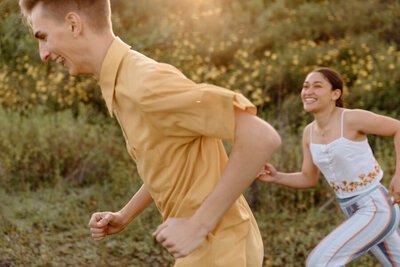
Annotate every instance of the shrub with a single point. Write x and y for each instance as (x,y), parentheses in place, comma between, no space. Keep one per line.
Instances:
(263,49)
(41,148)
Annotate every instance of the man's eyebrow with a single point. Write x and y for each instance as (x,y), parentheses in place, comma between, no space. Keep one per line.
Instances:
(40,35)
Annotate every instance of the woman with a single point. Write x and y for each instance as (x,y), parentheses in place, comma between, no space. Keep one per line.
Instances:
(336,143)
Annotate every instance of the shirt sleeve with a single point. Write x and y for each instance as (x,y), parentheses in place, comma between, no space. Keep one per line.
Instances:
(177,106)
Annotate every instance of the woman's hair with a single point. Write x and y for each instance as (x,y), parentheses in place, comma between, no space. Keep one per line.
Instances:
(97,13)
(335,79)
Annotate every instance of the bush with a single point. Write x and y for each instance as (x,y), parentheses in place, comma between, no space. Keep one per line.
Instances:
(41,148)
(47,149)
(263,49)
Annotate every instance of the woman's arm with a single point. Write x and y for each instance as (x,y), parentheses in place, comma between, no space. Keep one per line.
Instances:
(365,122)
(308,177)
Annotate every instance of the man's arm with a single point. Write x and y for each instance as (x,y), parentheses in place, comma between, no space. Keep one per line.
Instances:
(307,178)
(255,142)
(106,223)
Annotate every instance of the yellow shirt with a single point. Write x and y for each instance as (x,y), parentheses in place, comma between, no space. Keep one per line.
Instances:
(173,129)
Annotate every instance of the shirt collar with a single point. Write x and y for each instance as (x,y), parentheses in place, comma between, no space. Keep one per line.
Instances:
(109,70)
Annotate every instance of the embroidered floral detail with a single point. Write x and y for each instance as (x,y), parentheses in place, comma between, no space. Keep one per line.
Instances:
(365,180)
(377,168)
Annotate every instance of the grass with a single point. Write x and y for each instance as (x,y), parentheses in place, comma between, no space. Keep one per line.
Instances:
(48,227)
(290,236)
(43,219)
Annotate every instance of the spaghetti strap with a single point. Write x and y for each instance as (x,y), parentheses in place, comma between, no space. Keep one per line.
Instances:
(341,123)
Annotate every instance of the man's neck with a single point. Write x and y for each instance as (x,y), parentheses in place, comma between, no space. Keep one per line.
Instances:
(98,45)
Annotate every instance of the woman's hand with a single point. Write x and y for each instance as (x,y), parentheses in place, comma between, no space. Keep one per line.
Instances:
(394,190)
(268,174)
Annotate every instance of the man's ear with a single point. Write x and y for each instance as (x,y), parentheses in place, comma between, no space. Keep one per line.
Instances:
(74,23)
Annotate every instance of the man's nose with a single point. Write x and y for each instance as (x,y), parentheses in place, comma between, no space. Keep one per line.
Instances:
(44,53)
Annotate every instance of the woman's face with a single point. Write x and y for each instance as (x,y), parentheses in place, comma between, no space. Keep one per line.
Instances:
(317,93)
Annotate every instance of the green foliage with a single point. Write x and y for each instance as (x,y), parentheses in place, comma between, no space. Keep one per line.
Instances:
(49,228)
(25,81)
(263,49)
(78,165)
(15,39)
(75,160)
(40,147)
(290,236)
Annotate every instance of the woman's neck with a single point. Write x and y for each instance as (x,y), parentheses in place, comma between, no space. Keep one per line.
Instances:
(324,117)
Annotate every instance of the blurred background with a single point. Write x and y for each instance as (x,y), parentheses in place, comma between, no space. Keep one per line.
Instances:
(62,157)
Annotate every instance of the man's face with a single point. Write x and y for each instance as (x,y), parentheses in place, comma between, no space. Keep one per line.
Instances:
(56,40)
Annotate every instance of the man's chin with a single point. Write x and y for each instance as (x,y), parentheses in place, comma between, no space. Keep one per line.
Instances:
(73,72)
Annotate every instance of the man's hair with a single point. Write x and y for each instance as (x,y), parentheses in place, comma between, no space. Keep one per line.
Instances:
(96,13)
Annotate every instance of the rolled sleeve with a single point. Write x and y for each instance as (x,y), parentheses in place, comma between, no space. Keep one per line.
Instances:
(176,106)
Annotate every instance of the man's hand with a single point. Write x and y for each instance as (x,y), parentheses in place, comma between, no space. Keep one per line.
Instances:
(105,223)
(394,190)
(180,236)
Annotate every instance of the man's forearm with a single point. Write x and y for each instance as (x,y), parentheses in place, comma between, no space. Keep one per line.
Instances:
(255,142)
(141,200)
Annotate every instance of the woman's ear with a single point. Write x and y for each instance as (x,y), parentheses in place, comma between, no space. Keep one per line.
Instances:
(74,23)
(336,94)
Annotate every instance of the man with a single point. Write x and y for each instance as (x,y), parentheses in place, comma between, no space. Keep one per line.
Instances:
(173,130)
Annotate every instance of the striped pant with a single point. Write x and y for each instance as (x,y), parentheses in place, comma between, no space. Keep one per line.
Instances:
(372,225)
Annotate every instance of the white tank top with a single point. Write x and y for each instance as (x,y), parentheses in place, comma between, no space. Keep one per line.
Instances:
(349,166)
